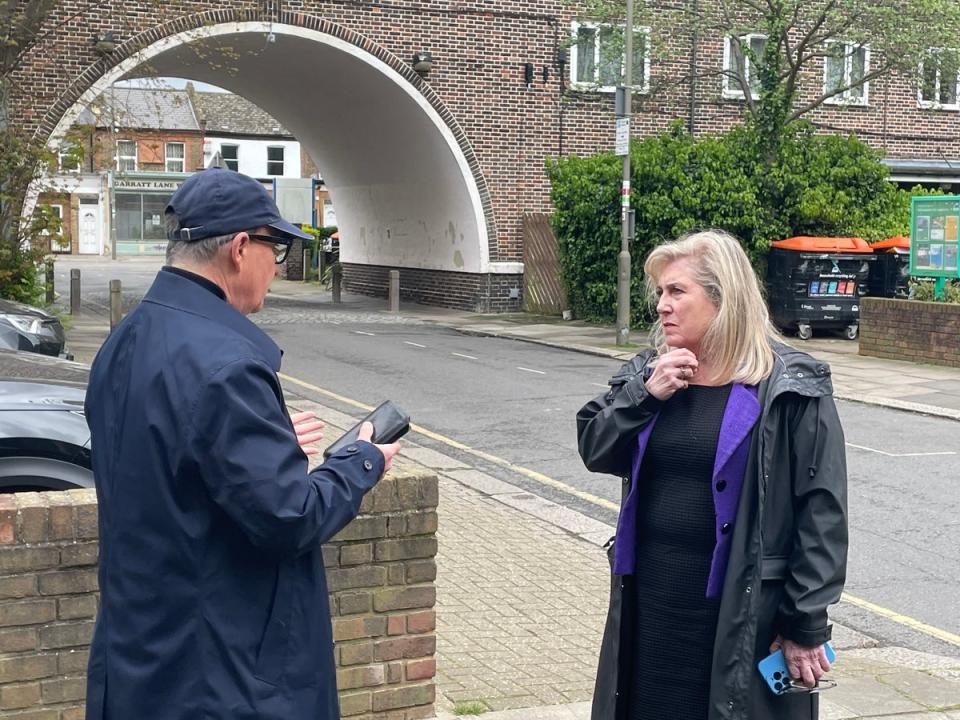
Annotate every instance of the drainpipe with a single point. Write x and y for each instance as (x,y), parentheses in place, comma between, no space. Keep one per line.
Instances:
(695,41)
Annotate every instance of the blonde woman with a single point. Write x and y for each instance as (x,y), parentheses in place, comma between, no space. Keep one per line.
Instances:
(732,537)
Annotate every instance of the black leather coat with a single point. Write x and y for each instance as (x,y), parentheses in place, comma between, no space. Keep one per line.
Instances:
(788,558)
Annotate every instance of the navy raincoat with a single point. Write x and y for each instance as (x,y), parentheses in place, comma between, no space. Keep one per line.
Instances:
(213,595)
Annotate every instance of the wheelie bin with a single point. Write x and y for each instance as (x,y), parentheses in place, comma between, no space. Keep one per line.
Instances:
(816,282)
(890,271)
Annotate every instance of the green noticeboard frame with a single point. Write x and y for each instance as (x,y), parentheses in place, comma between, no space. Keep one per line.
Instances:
(935,238)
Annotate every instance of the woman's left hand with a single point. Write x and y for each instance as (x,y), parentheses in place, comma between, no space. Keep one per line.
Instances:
(307,432)
(807,664)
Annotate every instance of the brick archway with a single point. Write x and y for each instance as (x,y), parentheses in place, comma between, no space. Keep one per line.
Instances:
(476,261)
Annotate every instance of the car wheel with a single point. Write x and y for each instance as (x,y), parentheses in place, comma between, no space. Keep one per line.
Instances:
(804,331)
(851,332)
(37,474)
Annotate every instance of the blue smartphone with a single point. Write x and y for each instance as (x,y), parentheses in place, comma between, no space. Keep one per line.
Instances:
(773,668)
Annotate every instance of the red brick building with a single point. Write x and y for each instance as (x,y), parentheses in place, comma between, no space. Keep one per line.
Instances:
(432,169)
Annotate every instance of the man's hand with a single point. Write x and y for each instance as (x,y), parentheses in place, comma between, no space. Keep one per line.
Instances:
(307,432)
(366,432)
(807,664)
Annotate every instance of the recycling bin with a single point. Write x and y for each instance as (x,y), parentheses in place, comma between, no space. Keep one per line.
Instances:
(890,271)
(816,283)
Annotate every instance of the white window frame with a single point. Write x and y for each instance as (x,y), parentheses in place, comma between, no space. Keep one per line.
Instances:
(62,151)
(229,160)
(595,86)
(936,104)
(182,159)
(127,157)
(731,87)
(844,98)
(58,213)
(283,162)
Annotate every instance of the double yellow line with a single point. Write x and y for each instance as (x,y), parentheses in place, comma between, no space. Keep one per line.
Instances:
(945,636)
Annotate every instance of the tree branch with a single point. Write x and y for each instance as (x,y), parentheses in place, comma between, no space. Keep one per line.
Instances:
(813,104)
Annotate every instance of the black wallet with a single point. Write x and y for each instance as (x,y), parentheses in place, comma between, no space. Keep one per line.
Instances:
(390,423)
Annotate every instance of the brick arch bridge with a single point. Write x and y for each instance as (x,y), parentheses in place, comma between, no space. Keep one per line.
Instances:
(430,176)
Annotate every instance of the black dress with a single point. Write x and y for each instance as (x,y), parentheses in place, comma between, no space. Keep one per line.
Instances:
(673,622)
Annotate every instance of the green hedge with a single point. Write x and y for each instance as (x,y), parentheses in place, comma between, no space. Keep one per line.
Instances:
(813,185)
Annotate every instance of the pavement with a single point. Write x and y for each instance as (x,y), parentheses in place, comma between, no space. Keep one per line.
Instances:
(522,584)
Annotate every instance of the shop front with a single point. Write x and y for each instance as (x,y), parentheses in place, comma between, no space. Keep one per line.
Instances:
(139,202)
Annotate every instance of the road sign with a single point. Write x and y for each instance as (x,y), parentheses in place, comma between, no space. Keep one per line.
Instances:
(622,144)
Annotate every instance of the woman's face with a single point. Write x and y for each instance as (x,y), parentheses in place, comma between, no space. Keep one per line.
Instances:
(683,306)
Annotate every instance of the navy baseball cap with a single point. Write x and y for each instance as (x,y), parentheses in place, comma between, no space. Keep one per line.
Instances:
(217,201)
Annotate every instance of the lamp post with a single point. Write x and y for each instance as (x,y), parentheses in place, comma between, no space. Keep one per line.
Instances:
(623,260)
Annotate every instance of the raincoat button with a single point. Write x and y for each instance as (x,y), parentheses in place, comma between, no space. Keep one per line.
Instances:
(749,590)
(352,449)
(367,465)
(730,704)
(726,528)
(721,485)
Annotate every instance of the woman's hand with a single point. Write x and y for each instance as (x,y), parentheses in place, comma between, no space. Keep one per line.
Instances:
(307,432)
(671,373)
(807,664)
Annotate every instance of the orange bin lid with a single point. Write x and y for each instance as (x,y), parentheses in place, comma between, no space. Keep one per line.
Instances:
(823,244)
(899,242)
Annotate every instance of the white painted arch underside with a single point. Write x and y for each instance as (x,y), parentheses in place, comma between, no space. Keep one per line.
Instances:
(402,188)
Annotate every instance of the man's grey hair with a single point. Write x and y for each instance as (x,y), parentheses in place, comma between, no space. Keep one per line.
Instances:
(197,252)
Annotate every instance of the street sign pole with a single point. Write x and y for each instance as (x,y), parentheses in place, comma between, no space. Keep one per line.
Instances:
(623,260)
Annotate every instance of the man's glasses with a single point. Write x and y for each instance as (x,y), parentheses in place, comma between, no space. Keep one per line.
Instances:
(281,245)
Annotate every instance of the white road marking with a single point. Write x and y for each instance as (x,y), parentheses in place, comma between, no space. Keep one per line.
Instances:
(407,342)
(882,452)
(538,372)
(361,332)
(468,357)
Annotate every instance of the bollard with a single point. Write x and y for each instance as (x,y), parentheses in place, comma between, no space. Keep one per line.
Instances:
(49,280)
(307,264)
(336,275)
(75,291)
(394,291)
(116,304)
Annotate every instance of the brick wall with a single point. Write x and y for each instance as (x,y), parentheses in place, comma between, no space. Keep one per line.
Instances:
(462,291)
(508,128)
(381,570)
(924,332)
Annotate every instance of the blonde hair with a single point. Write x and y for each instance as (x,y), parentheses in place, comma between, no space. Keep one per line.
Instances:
(738,339)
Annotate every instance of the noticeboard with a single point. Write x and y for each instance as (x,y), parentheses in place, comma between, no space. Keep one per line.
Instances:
(935,237)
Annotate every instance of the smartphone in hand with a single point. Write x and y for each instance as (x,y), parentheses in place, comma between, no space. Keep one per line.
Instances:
(390,423)
(773,668)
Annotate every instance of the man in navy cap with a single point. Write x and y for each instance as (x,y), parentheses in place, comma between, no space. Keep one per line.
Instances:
(213,596)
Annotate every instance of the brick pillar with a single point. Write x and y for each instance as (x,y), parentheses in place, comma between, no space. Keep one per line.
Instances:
(381,570)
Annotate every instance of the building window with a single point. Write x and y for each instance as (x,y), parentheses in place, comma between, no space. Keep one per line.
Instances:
(939,77)
(58,243)
(737,63)
(597,57)
(231,157)
(846,64)
(68,157)
(174,155)
(126,155)
(274,161)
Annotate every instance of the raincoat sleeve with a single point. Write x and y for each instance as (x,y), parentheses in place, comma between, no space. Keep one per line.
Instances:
(816,568)
(247,452)
(608,424)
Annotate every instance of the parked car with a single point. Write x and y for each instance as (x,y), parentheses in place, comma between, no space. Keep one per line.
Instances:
(44,438)
(24,327)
